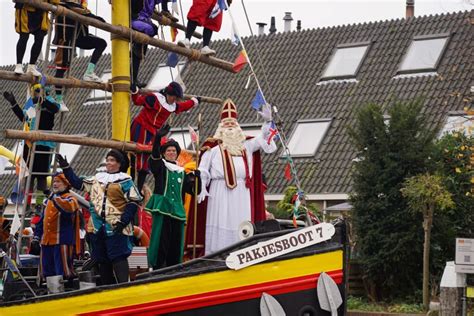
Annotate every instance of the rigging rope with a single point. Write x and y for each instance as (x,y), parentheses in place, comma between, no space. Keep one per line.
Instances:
(274,109)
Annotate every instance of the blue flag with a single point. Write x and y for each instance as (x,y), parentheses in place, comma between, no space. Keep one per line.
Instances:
(172,60)
(258,100)
(222,4)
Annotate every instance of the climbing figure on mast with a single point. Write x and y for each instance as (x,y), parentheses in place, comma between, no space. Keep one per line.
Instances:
(30,20)
(208,14)
(64,37)
(27,115)
(141,13)
(157,107)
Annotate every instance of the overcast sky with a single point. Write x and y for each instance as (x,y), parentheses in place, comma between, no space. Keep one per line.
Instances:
(312,13)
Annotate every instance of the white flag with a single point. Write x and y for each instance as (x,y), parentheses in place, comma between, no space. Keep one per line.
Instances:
(16,224)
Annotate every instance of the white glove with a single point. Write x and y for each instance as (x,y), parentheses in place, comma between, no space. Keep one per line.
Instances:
(202,196)
(195,100)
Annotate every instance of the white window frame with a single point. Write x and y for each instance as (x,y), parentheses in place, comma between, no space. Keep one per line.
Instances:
(253,128)
(179,131)
(292,148)
(333,56)
(465,123)
(438,60)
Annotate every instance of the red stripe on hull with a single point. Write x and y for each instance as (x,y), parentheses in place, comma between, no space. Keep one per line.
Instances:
(221,297)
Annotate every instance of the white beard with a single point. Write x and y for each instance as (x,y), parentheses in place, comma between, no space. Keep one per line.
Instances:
(232,139)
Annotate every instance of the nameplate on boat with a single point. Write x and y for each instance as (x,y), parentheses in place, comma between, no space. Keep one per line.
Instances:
(279,246)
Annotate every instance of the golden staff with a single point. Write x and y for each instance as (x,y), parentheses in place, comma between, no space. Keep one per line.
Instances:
(196,188)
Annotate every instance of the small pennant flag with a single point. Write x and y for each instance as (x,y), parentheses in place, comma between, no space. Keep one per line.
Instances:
(172,60)
(194,134)
(234,36)
(288,171)
(174,7)
(216,10)
(274,134)
(16,223)
(258,100)
(43,80)
(174,33)
(240,61)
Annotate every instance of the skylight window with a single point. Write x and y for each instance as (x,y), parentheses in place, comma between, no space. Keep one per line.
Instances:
(164,75)
(307,137)
(345,61)
(459,123)
(424,53)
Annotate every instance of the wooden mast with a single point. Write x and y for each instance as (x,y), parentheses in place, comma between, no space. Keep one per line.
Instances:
(120,74)
(163,20)
(127,33)
(76,83)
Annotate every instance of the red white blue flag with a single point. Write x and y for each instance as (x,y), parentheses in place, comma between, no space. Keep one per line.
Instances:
(274,134)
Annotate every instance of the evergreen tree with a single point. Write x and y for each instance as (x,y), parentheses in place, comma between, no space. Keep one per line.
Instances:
(453,157)
(389,236)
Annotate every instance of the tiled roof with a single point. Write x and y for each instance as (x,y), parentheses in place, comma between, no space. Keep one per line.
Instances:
(289,66)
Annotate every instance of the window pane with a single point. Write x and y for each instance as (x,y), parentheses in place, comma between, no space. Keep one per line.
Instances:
(69,150)
(459,123)
(423,54)
(345,61)
(162,76)
(251,131)
(307,137)
(6,167)
(182,138)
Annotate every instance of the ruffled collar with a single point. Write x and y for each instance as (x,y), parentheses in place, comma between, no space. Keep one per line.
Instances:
(105,177)
(172,167)
(162,100)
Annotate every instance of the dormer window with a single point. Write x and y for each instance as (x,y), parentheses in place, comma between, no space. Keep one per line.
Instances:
(307,136)
(345,61)
(424,54)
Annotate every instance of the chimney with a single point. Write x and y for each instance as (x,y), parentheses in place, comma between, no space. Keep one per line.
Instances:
(298,25)
(410,9)
(261,28)
(272,29)
(287,20)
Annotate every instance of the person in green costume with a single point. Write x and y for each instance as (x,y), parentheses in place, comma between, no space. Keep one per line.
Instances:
(166,203)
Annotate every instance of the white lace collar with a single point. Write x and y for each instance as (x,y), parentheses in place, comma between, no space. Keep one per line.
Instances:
(105,177)
(172,167)
(162,100)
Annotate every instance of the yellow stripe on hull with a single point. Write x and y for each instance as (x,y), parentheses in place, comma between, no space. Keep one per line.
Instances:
(180,287)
